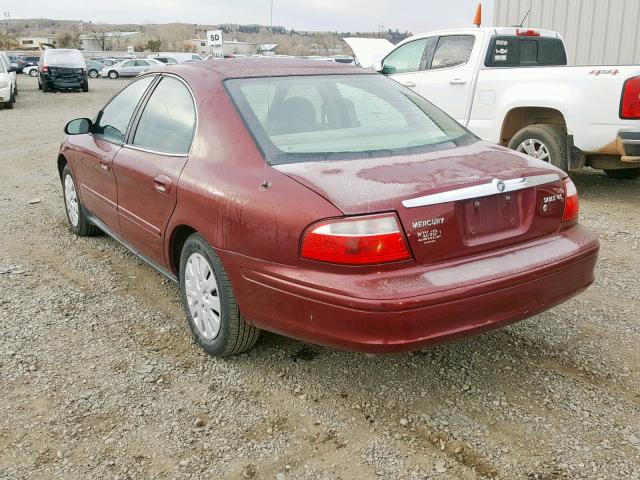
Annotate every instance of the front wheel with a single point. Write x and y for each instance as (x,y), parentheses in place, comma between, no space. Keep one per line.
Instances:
(624,173)
(93,73)
(113,75)
(544,142)
(209,302)
(78,222)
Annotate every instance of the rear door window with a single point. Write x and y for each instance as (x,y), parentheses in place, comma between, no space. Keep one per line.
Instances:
(168,122)
(113,121)
(452,51)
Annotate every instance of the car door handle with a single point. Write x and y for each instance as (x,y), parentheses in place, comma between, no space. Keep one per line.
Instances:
(457,81)
(104,166)
(409,84)
(162,184)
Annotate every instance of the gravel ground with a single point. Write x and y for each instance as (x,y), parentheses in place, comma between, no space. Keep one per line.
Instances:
(100,378)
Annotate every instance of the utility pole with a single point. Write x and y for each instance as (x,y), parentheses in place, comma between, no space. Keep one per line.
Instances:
(380,29)
(7,21)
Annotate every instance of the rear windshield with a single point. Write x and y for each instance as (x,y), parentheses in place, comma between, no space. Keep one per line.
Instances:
(64,58)
(333,117)
(514,51)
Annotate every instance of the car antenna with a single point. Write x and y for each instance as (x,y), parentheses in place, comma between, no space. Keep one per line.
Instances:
(266,184)
(524,18)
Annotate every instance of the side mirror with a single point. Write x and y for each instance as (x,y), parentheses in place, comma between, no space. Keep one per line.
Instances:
(79,126)
(387,70)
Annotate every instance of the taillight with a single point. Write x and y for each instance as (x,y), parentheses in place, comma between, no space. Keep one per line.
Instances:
(630,104)
(571,202)
(356,241)
(527,33)
(45,69)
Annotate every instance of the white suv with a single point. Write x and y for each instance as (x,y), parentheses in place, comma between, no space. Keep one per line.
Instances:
(8,82)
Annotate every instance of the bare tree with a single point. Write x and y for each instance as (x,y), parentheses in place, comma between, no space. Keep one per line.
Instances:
(100,35)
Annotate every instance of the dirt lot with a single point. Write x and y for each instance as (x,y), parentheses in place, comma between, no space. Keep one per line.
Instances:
(99,377)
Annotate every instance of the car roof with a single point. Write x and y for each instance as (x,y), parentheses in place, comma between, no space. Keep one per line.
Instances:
(264,67)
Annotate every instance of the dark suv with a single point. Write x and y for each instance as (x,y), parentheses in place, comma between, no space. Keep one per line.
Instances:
(62,69)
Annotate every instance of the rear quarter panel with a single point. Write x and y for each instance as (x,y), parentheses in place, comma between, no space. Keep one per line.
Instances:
(588,98)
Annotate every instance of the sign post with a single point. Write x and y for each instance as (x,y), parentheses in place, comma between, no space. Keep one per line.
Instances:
(214,39)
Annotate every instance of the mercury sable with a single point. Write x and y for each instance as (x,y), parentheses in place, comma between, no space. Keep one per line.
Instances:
(322,202)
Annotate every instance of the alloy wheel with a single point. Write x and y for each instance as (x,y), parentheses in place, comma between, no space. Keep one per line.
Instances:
(71,200)
(534,148)
(201,289)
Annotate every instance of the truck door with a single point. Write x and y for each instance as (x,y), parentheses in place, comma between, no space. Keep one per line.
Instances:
(448,76)
(406,63)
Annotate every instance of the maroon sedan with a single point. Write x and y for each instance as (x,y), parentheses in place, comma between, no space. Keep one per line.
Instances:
(322,202)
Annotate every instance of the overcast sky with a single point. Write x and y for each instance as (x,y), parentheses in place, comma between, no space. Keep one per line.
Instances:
(340,15)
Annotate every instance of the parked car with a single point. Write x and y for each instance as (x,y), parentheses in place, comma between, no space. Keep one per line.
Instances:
(107,61)
(163,59)
(13,58)
(179,57)
(24,61)
(8,82)
(62,69)
(31,70)
(94,68)
(332,205)
(129,68)
(511,86)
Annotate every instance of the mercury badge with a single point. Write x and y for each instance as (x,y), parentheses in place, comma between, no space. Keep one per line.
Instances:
(500,185)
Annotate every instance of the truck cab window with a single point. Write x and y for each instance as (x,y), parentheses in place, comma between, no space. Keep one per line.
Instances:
(452,51)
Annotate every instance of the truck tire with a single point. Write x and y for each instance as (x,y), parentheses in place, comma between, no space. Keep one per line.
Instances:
(624,173)
(206,291)
(546,142)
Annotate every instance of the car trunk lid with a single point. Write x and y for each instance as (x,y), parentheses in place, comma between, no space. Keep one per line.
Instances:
(451,203)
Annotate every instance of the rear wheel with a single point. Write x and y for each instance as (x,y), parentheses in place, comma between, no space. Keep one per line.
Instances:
(113,74)
(78,222)
(624,173)
(45,87)
(209,302)
(33,73)
(544,142)
(85,86)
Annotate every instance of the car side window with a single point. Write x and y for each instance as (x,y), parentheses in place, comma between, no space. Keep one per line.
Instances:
(168,121)
(130,63)
(452,51)
(406,59)
(114,119)
(142,63)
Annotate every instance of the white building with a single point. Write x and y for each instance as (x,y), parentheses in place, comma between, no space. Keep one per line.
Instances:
(597,32)
(108,41)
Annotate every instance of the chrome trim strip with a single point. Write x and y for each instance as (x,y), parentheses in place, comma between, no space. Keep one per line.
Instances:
(495,187)
(629,141)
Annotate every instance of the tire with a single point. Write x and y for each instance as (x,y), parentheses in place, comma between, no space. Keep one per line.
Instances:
(9,105)
(39,86)
(552,137)
(78,222)
(15,92)
(33,73)
(93,73)
(85,86)
(45,87)
(113,75)
(234,335)
(624,173)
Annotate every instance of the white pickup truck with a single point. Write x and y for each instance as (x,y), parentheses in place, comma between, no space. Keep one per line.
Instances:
(512,86)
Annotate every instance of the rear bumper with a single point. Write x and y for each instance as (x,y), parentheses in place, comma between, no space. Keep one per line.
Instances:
(629,146)
(413,308)
(64,83)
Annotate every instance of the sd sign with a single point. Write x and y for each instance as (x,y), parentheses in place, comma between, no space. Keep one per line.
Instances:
(214,38)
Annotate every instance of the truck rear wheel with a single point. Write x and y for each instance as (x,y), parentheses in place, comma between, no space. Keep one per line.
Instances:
(624,173)
(545,142)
